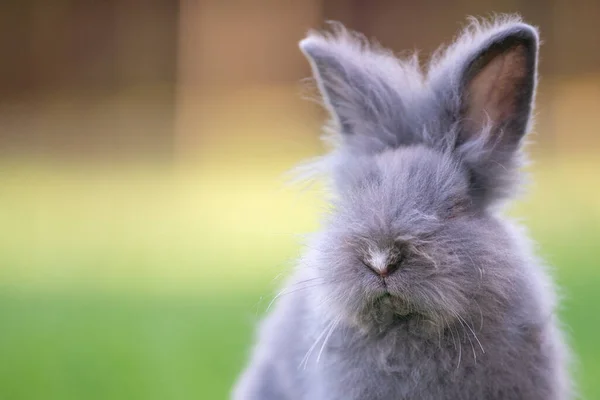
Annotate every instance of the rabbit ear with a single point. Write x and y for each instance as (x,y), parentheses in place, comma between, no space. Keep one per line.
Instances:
(486,82)
(336,80)
(359,85)
(497,86)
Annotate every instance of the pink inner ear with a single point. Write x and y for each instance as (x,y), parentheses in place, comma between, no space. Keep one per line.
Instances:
(494,91)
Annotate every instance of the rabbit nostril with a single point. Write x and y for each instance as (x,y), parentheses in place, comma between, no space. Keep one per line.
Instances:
(389,269)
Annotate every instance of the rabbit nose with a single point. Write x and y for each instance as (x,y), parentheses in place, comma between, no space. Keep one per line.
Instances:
(388,269)
(382,264)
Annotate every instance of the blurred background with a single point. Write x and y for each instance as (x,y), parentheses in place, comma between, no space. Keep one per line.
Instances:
(144,219)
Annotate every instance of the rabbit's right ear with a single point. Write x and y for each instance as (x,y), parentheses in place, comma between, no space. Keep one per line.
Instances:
(359,85)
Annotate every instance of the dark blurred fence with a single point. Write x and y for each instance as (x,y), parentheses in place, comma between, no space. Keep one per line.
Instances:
(132,77)
(87,77)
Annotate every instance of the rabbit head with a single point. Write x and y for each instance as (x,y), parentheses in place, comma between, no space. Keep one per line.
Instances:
(423,158)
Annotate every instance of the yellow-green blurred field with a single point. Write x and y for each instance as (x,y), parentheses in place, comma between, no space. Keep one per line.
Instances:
(145,281)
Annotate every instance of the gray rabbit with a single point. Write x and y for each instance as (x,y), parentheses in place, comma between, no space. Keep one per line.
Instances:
(417,287)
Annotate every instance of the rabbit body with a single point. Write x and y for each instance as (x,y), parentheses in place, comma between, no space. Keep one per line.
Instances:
(524,357)
(417,287)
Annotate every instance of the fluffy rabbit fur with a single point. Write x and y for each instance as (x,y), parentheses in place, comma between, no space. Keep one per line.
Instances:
(417,287)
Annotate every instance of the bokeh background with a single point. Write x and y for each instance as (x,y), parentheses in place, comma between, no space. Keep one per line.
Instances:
(145,223)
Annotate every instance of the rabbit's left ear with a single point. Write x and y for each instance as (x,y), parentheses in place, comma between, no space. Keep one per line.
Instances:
(497,86)
(486,84)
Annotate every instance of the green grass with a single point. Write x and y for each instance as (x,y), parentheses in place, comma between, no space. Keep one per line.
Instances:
(82,346)
(146,282)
